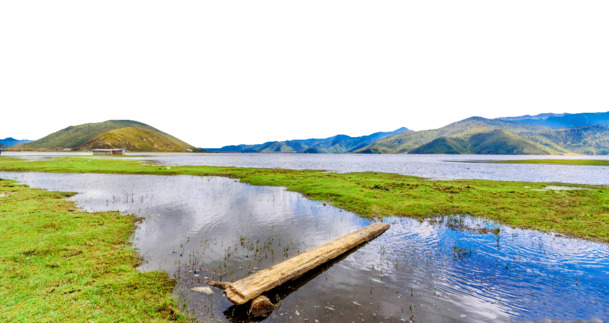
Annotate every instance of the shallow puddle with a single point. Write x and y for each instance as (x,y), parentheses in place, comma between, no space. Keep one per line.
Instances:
(453,268)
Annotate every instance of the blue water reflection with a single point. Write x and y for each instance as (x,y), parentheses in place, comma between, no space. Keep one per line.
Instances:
(452,268)
(526,273)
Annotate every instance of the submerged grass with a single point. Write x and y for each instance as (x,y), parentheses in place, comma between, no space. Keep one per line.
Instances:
(579,213)
(58,264)
(581,162)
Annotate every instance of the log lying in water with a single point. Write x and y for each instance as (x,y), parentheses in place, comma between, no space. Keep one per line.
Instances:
(241,291)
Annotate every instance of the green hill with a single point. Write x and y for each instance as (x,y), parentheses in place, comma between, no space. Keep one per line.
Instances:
(502,142)
(408,141)
(134,139)
(587,140)
(496,142)
(443,145)
(82,137)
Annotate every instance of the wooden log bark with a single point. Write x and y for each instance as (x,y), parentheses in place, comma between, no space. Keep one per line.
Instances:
(241,291)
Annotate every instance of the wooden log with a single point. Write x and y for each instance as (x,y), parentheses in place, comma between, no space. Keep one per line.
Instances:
(241,291)
(261,305)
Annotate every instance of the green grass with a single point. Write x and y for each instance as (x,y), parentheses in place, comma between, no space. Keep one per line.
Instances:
(584,162)
(579,213)
(58,264)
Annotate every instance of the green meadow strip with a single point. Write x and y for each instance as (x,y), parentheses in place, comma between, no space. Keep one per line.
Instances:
(578,213)
(59,264)
(581,162)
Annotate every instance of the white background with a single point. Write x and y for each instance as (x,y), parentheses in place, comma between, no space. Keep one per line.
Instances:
(214,73)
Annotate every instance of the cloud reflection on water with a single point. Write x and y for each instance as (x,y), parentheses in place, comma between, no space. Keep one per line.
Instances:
(412,269)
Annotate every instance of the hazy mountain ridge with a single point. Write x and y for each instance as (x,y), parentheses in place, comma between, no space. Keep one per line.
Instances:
(87,136)
(335,144)
(563,120)
(12,142)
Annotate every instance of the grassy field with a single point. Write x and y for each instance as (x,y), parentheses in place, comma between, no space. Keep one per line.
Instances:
(58,264)
(583,162)
(578,213)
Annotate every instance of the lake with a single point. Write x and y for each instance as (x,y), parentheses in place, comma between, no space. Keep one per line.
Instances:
(428,166)
(444,269)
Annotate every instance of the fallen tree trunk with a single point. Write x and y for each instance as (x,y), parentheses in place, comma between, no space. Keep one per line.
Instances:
(241,291)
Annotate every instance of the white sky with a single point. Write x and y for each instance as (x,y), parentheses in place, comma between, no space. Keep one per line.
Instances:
(215,73)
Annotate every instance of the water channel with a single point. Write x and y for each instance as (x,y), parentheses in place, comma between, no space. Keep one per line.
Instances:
(438,270)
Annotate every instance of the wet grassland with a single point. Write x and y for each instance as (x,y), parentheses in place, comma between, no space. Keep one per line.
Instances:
(582,213)
(579,162)
(59,263)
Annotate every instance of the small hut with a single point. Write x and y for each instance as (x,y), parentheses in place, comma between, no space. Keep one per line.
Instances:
(120,151)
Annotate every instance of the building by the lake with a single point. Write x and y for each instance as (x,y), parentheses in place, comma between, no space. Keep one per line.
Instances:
(120,151)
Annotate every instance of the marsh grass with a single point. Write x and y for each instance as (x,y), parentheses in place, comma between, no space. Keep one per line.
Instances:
(59,264)
(578,213)
(581,162)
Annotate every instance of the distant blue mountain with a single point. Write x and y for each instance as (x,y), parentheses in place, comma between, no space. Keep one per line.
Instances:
(12,141)
(333,145)
(564,120)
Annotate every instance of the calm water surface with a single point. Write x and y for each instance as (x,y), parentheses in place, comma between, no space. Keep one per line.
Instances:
(428,166)
(425,271)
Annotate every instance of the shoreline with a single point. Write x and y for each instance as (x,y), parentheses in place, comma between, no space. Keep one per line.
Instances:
(100,267)
(574,162)
(64,264)
(527,205)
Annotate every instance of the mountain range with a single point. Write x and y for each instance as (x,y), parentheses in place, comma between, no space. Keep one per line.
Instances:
(539,135)
(12,142)
(543,134)
(336,145)
(132,135)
